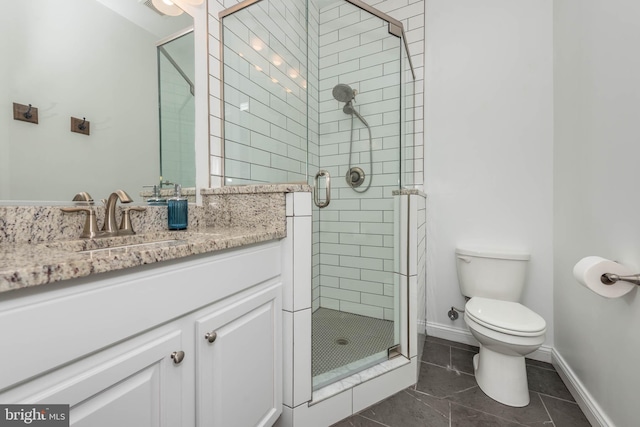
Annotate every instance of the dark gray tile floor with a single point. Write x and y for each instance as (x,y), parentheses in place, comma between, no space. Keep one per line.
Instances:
(447,395)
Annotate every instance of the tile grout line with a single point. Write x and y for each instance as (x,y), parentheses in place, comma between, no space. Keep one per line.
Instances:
(423,402)
(557,398)
(377,422)
(448,368)
(545,408)
(488,413)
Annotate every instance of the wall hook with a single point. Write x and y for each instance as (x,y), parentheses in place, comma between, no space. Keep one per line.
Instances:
(25,113)
(80,125)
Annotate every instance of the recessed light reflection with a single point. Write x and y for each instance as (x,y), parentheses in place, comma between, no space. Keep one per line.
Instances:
(240,54)
(287,89)
(258,68)
(276,60)
(293,74)
(274,80)
(257,44)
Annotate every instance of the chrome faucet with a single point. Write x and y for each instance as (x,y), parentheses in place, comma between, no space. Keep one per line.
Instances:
(110,227)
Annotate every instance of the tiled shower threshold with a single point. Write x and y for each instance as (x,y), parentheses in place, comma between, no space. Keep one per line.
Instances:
(357,378)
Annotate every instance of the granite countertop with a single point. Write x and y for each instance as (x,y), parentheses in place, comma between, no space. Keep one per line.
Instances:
(27,265)
(38,244)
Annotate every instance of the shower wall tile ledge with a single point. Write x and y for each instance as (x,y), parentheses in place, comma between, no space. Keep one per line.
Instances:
(409,191)
(257,189)
(39,244)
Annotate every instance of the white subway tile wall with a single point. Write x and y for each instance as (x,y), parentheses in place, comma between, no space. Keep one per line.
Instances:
(265,93)
(269,130)
(356,49)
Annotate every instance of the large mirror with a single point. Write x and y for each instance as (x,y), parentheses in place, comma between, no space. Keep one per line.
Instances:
(84,58)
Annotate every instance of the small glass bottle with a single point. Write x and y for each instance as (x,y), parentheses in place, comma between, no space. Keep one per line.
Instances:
(178,210)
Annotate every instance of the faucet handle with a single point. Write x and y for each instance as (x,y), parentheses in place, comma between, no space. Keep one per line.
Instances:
(125,224)
(90,229)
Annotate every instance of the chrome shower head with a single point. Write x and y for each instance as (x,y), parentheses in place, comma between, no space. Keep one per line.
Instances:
(343,93)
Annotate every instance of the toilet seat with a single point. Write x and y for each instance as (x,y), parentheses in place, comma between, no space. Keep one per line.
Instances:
(505,316)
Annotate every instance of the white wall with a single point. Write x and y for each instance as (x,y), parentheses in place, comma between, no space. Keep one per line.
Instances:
(489,143)
(597,101)
(100,67)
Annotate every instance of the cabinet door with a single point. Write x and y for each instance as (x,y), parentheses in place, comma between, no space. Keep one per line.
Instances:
(239,369)
(134,384)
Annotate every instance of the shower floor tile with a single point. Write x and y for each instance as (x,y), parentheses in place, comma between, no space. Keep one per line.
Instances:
(340,338)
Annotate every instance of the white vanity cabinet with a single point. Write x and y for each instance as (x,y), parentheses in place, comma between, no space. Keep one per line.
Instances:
(131,348)
(132,384)
(239,362)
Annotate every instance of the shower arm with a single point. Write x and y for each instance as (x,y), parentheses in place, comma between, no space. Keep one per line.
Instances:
(350,109)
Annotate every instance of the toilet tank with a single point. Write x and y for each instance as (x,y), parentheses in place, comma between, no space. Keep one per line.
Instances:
(491,274)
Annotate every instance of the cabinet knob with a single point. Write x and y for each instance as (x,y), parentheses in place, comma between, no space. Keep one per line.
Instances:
(211,336)
(177,357)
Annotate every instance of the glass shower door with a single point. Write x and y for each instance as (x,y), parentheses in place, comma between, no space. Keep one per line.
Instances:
(356,319)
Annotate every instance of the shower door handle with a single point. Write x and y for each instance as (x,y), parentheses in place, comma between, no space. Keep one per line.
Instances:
(316,191)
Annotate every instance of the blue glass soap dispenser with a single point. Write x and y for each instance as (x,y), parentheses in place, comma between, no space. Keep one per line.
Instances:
(178,210)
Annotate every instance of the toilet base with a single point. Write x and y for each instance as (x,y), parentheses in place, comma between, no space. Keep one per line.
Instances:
(501,377)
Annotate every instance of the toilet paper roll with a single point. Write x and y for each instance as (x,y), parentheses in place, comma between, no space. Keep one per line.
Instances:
(589,270)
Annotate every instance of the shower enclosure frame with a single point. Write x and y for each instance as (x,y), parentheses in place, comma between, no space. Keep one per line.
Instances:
(387,377)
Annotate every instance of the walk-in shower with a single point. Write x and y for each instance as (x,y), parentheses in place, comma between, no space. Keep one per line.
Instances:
(318,89)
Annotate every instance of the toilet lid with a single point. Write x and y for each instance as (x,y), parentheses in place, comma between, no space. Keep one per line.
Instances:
(506,316)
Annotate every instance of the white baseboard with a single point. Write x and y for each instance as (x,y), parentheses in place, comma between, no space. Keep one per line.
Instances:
(587,403)
(543,354)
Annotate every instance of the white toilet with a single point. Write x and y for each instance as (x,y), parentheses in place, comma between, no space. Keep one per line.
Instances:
(506,330)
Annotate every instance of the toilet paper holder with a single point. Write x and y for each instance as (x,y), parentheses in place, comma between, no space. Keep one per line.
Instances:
(610,278)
